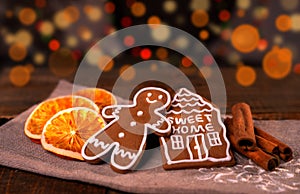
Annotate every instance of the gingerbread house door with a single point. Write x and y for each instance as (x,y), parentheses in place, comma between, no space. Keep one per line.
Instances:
(197,142)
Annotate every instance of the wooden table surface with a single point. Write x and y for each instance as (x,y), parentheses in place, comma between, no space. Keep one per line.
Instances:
(268,98)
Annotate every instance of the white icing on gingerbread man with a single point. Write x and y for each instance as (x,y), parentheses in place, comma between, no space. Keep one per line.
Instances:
(125,136)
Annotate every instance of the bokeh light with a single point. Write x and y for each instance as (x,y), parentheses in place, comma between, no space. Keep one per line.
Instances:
(283,23)
(203,34)
(145,53)
(24,37)
(72,41)
(27,16)
(295,18)
(62,62)
(93,13)
(245,38)
(127,72)
(245,75)
(262,44)
(129,40)
(170,6)
(85,33)
(297,69)
(61,20)
(260,13)
(154,20)
(186,61)
(205,72)
(162,53)
(224,15)
(54,44)
(39,58)
(17,51)
(277,63)
(71,13)
(105,63)
(161,33)
(200,4)
(138,9)
(109,7)
(199,18)
(208,60)
(243,4)
(19,76)
(46,28)
(289,5)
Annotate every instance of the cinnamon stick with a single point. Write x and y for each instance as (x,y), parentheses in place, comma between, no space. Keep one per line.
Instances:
(267,145)
(285,152)
(261,158)
(242,128)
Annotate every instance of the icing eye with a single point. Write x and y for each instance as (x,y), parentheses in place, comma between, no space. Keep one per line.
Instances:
(160,97)
(149,94)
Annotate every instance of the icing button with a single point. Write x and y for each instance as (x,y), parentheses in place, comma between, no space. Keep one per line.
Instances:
(139,113)
(132,123)
(121,135)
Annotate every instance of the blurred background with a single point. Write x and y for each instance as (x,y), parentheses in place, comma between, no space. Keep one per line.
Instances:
(247,35)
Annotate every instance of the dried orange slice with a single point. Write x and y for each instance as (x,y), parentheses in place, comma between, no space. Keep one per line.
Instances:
(44,111)
(101,97)
(66,132)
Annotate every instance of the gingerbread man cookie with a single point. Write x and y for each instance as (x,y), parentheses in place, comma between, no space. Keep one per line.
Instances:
(124,138)
(198,136)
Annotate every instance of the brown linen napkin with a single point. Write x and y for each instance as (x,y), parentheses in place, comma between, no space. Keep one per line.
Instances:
(17,151)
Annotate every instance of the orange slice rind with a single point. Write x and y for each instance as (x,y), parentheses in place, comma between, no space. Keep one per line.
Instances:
(44,111)
(66,132)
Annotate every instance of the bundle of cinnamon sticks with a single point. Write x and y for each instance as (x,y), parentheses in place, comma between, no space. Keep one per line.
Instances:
(252,142)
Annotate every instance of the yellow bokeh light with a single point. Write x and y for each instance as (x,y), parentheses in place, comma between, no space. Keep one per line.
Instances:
(245,75)
(85,33)
(62,62)
(243,4)
(138,9)
(277,63)
(24,37)
(170,6)
(205,72)
(105,63)
(71,13)
(199,4)
(283,23)
(245,38)
(93,13)
(260,13)
(72,41)
(27,16)
(47,28)
(160,33)
(17,51)
(199,18)
(39,58)
(19,76)
(62,20)
(295,18)
(127,72)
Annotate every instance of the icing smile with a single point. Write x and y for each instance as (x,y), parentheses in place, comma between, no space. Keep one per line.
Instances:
(150,101)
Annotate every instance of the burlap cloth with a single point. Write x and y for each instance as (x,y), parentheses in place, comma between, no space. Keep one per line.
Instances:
(17,151)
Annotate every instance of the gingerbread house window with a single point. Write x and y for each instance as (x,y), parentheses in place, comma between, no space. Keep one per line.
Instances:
(177,142)
(214,139)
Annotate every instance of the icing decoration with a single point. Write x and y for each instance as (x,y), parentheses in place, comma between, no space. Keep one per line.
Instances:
(198,135)
(125,136)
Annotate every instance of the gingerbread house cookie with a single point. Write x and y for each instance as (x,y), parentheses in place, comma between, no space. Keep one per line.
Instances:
(198,135)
